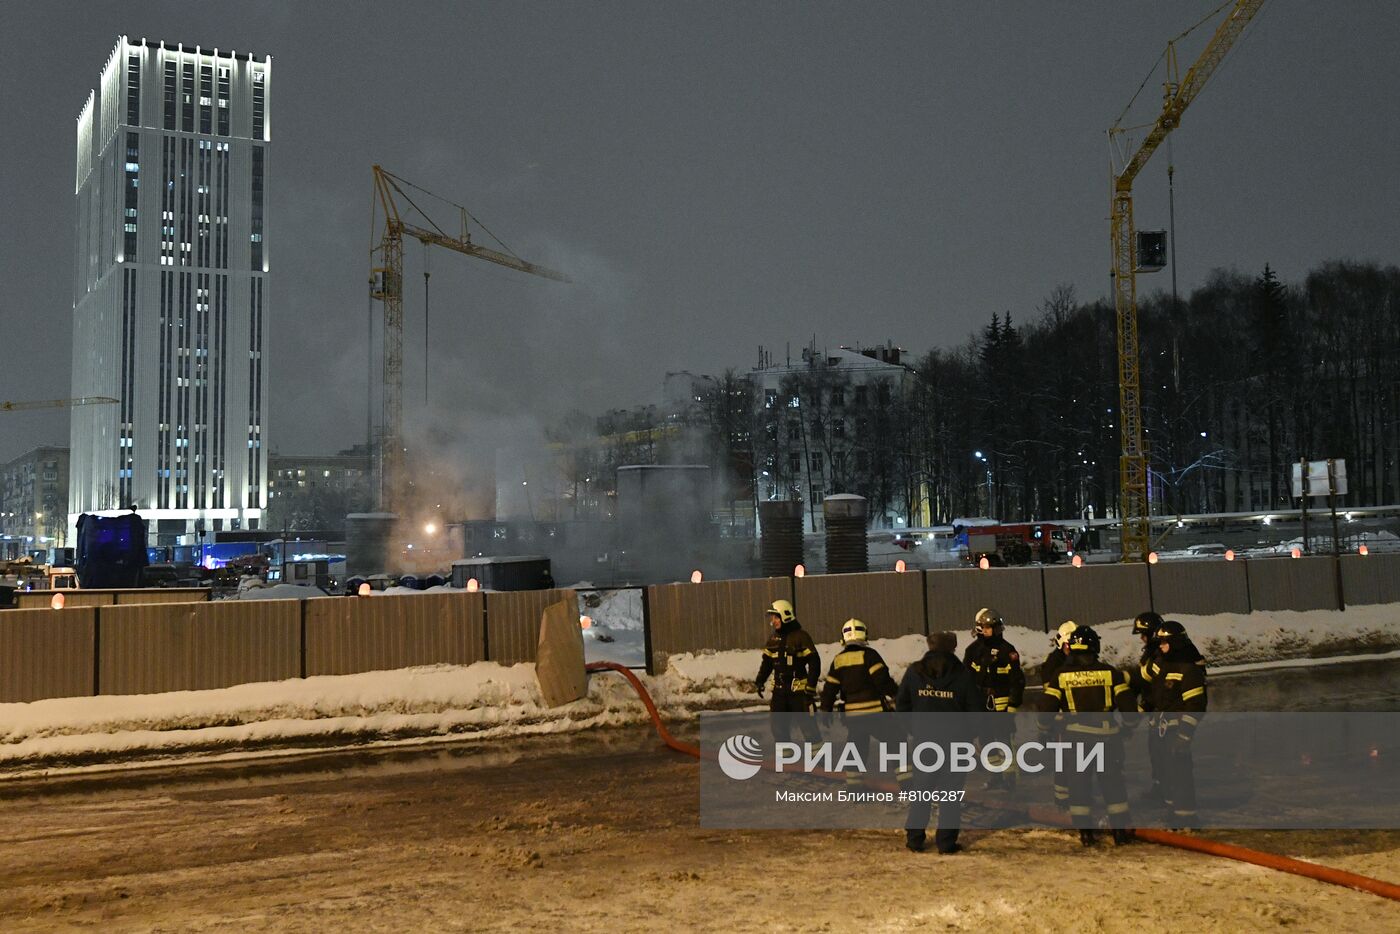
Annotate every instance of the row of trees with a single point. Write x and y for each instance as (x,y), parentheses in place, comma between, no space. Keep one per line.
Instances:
(1240,380)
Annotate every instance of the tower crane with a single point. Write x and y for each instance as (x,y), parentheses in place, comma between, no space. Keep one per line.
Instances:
(386,285)
(57,403)
(1179,93)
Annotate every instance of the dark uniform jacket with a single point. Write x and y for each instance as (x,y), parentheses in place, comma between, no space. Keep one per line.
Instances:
(939,683)
(996,667)
(1177,688)
(859,675)
(1140,678)
(1052,664)
(1085,685)
(791,658)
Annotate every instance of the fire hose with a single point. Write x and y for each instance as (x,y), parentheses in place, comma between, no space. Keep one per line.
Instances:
(1162,837)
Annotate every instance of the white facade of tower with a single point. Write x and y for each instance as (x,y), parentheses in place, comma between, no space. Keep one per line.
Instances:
(171,296)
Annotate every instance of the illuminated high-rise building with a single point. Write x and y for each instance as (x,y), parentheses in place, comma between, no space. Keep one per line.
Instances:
(171,293)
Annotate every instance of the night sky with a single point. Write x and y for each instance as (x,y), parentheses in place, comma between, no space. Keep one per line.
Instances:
(714,176)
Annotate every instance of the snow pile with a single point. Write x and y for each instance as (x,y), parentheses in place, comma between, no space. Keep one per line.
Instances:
(615,633)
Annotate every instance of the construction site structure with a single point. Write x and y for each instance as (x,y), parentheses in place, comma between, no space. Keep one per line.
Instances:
(1134,505)
(386,285)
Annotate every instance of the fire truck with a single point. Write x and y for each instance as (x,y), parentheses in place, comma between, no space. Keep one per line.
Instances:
(1016,543)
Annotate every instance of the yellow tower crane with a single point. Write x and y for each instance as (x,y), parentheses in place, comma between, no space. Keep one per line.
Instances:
(386,285)
(1133,501)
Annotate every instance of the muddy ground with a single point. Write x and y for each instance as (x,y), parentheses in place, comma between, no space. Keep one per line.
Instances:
(591,834)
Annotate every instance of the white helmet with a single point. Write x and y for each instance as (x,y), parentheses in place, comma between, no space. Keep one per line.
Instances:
(1066,630)
(853,631)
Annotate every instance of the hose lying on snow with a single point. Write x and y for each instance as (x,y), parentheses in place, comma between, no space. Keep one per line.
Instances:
(1163,837)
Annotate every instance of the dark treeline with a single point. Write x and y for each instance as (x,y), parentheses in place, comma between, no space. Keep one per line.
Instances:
(1239,380)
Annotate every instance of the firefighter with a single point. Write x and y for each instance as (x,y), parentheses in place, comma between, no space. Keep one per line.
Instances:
(791,658)
(1178,694)
(938,683)
(1145,626)
(1091,690)
(859,677)
(996,667)
(1059,653)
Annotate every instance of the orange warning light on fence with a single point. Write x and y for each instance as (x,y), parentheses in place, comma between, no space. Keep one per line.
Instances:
(799,571)
(1363,551)
(364,590)
(1296,552)
(1152,557)
(473,586)
(584,622)
(1078,561)
(57,601)
(1229,554)
(696,577)
(983,563)
(900,566)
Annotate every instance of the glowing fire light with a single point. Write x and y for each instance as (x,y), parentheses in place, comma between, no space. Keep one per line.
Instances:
(584,622)
(899,566)
(1230,554)
(1296,552)
(983,563)
(57,601)
(1078,561)
(473,585)
(696,577)
(1363,551)
(430,528)
(799,571)
(364,589)
(1152,557)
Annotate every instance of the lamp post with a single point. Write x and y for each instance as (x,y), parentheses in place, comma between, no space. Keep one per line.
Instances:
(991,505)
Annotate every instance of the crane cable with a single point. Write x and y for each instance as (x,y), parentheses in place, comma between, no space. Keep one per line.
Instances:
(1162,837)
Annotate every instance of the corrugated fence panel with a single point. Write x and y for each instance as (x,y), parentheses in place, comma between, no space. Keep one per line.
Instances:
(1292,584)
(1095,594)
(45,653)
(155,647)
(889,603)
(144,649)
(513,622)
(955,596)
(162,595)
(40,599)
(241,642)
(715,615)
(1371,579)
(346,635)
(1198,588)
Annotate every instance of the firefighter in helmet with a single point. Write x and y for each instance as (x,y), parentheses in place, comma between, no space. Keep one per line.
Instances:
(859,677)
(1059,654)
(1089,691)
(790,658)
(996,667)
(1177,691)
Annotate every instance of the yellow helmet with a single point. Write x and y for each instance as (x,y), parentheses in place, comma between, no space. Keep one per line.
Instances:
(853,631)
(988,617)
(1066,630)
(783,610)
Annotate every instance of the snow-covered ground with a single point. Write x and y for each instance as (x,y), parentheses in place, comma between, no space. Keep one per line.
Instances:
(488,700)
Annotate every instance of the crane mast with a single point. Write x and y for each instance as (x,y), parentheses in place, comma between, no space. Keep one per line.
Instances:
(1133,500)
(386,285)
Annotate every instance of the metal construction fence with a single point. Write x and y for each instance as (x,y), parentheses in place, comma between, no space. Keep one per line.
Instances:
(125,647)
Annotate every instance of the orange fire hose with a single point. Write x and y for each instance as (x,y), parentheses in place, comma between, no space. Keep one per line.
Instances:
(1163,837)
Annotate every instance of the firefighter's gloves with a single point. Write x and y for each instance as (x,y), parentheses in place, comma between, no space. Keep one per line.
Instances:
(758,688)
